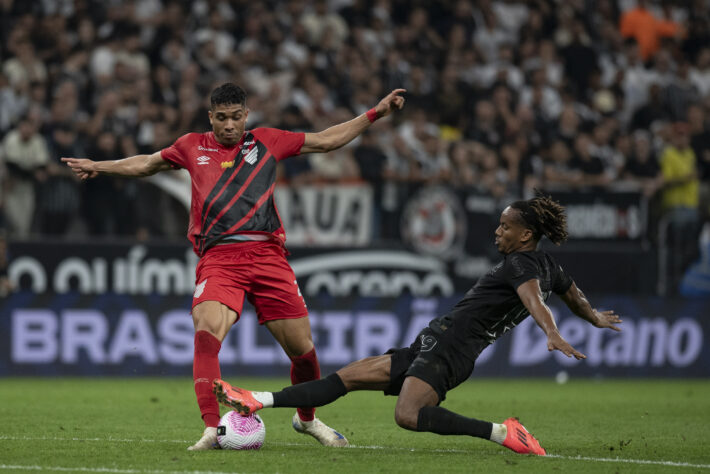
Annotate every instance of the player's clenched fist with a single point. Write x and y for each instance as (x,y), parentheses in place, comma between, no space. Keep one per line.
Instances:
(393,101)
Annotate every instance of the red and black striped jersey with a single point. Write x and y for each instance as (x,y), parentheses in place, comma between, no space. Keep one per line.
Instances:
(233,187)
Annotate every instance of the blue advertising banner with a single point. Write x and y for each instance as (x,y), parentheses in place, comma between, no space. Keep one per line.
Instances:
(110,334)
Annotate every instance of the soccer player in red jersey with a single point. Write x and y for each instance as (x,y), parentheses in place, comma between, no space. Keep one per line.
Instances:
(236,231)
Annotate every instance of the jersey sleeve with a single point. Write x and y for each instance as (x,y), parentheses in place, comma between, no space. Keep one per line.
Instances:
(174,154)
(280,143)
(562,281)
(520,268)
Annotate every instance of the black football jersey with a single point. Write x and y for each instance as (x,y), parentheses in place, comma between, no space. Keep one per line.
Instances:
(492,307)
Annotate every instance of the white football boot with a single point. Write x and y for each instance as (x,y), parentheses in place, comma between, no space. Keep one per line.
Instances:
(325,435)
(208,440)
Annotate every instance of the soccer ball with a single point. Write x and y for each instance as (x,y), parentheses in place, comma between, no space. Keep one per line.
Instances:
(240,432)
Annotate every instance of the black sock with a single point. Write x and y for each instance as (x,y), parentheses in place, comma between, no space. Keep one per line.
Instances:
(315,393)
(444,422)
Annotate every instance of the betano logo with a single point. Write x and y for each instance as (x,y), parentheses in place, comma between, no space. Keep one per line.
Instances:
(373,273)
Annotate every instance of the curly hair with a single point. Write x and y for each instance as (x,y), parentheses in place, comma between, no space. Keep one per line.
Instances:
(544,216)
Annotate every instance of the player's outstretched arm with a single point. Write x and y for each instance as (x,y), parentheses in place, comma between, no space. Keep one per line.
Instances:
(579,305)
(531,296)
(338,135)
(134,166)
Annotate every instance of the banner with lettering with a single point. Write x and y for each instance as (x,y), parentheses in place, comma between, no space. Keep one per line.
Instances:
(110,334)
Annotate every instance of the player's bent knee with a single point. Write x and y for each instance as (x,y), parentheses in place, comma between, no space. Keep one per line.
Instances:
(406,418)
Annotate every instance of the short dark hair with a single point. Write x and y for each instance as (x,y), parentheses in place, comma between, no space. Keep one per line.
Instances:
(543,216)
(228,93)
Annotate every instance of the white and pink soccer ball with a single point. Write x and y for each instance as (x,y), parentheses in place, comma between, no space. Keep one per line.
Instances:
(240,432)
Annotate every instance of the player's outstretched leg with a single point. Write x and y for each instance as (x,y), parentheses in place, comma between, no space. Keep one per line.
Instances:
(208,440)
(315,393)
(236,398)
(520,439)
(325,435)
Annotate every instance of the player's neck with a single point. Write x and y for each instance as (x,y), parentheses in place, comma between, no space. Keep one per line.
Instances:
(528,247)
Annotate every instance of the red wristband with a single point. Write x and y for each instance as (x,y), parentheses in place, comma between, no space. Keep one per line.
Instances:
(372,115)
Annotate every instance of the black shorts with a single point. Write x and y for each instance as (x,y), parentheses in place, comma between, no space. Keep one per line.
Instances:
(436,358)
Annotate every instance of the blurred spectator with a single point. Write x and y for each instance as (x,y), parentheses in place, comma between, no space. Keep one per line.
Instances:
(489,37)
(680,200)
(602,148)
(13,103)
(639,23)
(642,166)
(371,161)
(58,196)
(320,23)
(700,143)
(298,170)
(24,67)
(680,93)
(580,59)
(494,179)
(651,111)
(700,72)
(464,172)
(103,189)
(25,155)
(483,128)
(559,172)
(590,166)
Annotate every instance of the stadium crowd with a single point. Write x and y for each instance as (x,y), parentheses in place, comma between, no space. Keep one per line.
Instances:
(503,96)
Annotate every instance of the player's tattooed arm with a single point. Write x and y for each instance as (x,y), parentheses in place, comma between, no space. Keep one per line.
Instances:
(576,301)
(134,166)
(531,296)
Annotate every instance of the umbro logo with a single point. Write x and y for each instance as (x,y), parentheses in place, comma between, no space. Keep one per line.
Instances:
(203,160)
(251,156)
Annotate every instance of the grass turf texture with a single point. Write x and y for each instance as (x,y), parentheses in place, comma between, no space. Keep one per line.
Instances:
(145,425)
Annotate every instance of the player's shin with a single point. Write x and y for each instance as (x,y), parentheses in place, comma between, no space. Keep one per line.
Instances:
(205,368)
(315,393)
(444,422)
(305,368)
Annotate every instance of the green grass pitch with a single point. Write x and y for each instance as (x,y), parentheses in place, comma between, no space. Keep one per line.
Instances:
(141,425)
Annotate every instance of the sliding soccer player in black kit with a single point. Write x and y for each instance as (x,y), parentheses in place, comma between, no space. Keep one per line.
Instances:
(444,353)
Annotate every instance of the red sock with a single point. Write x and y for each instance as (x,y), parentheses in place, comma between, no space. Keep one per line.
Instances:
(305,368)
(205,368)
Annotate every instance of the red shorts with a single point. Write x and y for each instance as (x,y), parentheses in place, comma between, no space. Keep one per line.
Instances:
(259,270)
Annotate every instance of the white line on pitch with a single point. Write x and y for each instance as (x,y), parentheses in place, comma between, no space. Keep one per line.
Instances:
(392,448)
(17,467)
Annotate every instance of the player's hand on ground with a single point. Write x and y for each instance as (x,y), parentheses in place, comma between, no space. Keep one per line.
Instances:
(82,167)
(393,101)
(555,342)
(607,319)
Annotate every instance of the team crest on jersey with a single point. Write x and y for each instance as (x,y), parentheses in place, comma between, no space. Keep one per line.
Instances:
(427,342)
(434,223)
(251,156)
(203,160)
